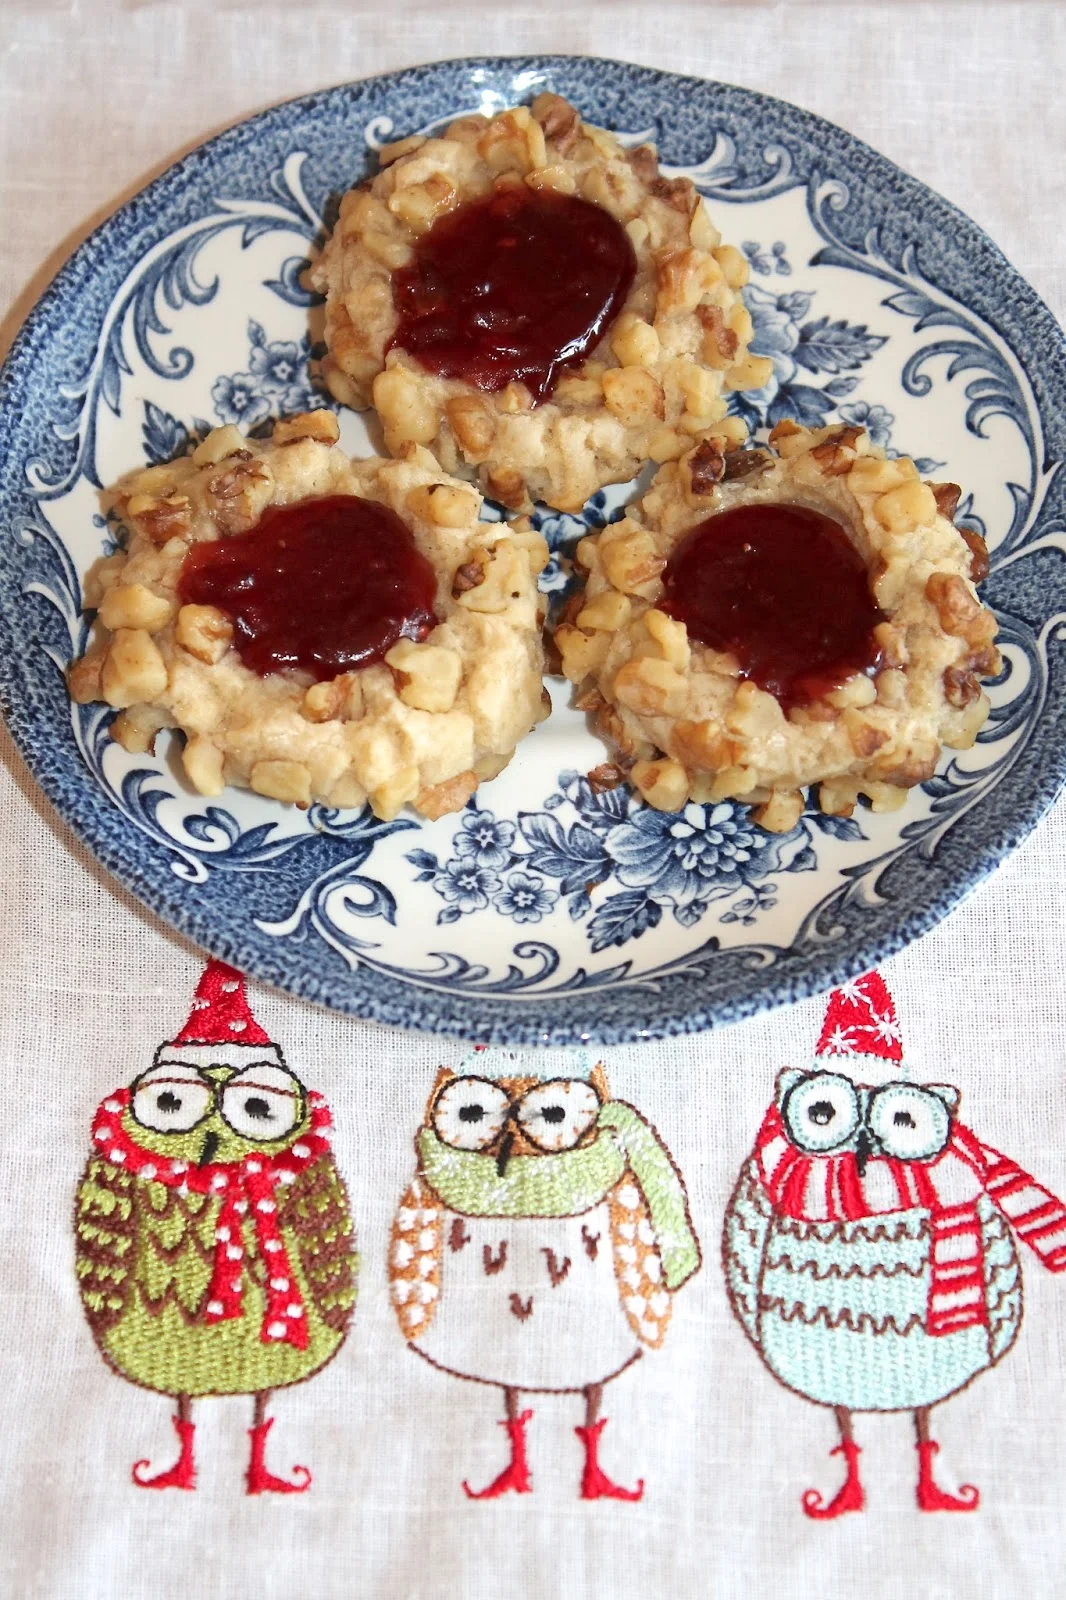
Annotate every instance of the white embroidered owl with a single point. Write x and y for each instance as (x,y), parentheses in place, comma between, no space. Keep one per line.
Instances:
(867,1247)
(539,1244)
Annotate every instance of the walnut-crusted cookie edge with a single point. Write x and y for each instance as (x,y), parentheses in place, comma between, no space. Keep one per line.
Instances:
(424,727)
(687,726)
(659,379)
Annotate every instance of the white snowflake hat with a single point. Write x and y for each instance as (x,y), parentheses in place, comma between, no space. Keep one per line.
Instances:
(491,1061)
(861,1035)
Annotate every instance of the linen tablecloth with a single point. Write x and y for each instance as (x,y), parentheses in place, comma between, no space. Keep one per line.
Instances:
(97,98)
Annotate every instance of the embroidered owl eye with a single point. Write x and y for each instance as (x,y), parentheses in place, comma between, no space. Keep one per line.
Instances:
(553,1116)
(821,1112)
(469,1113)
(909,1123)
(170,1098)
(262,1102)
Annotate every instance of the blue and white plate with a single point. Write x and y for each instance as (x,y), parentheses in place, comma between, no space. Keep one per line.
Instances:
(544,912)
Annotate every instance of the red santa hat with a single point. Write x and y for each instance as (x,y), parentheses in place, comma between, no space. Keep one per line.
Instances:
(861,1036)
(221,1029)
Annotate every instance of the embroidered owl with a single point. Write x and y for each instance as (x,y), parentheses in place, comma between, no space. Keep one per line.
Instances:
(539,1245)
(868,1246)
(215,1251)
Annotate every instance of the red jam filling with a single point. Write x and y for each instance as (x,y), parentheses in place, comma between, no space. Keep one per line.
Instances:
(785,591)
(511,288)
(325,585)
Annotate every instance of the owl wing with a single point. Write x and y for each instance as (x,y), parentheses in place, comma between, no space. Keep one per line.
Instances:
(316,1210)
(105,1233)
(747,1226)
(638,1266)
(1003,1283)
(415,1257)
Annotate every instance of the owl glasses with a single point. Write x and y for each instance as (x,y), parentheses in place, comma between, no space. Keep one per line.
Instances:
(261,1102)
(825,1113)
(474,1113)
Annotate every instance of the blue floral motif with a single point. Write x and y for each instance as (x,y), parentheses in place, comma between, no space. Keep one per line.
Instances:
(465,885)
(485,840)
(763,262)
(276,384)
(164,437)
(877,420)
(794,346)
(277,381)
(236,398)
(647,862)
(525,898)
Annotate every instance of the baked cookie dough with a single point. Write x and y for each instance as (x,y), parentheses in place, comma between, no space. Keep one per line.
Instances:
(423,727)
(688,725)
(658,379)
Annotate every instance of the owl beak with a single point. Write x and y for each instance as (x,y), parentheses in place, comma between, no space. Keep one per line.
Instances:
(864,1149)
(210,1145)
(503,1154)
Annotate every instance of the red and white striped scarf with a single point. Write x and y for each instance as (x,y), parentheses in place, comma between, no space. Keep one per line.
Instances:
(249,1184)
(830,1189)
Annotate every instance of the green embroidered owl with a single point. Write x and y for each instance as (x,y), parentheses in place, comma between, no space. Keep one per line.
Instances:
(539,1245)
(215,1250)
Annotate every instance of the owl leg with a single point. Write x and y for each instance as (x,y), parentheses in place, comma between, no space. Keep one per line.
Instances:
(515,1474)
(930,1497)
(258,1478)
(182,1475)
(849,1497)
(595,1484)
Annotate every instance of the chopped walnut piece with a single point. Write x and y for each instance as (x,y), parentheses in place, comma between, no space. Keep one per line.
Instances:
(947,497)
(559,119)
(955,605)
(745,464)
(702,746)
(720,342)
(472,423)
(443,798)
(508,486)
(589,700)
(604,777)
(566,618)
(83,679)
(836,454)
(677,192)
(609,725)
(160,520)
(467,577)
(705,467)
(644,160)
(978,554)
(960,686)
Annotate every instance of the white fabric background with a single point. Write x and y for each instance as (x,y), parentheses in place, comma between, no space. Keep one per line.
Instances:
(95,99)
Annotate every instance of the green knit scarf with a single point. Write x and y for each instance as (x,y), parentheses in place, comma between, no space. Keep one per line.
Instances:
(567,1184)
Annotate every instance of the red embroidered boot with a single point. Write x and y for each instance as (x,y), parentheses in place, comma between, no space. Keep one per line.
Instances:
(262,1481)
(515,1474)
(182,1475)
(849,1497)
(595,1484)
(932,1498)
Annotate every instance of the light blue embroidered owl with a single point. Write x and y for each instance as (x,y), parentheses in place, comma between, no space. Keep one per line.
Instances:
(867,1250)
